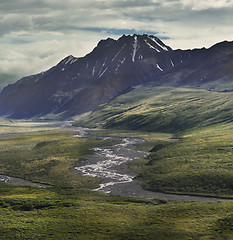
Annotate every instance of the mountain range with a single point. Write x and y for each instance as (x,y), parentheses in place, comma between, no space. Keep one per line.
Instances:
(79,85)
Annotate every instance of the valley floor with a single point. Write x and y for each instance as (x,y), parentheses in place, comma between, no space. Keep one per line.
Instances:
(68,211)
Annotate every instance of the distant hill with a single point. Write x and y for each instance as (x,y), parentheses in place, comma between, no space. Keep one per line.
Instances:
(78,85)
(164,109)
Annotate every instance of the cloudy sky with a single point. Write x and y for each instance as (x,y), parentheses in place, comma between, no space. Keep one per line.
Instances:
(37,34)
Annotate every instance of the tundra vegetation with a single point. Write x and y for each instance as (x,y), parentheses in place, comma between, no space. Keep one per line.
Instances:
(195,156)
(189,136)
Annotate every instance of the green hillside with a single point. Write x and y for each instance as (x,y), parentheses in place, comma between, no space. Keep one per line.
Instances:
(47,157)
(69,213)
(189,134)
(165,109)
(200,161)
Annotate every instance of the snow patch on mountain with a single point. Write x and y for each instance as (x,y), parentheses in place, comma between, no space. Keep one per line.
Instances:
(151,46)
(135,47)
(70,59)
(172,63)
(159,67)
(103,72)
(93,70)
(118,52)
(159,44)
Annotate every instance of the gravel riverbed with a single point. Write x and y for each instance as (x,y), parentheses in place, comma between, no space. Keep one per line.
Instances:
(111,164)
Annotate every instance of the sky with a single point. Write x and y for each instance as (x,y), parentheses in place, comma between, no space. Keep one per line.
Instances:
(36,34)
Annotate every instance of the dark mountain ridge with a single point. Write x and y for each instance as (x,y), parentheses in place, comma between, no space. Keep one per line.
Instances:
(79,85)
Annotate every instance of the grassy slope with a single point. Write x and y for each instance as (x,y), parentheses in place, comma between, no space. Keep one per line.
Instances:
(66,213)
(69,213)
(47,157)
(151,137)
(164,109)
(8,126)
(200,161)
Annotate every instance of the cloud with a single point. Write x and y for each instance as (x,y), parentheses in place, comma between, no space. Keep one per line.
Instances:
(34,35)
(30,54)
(207,4)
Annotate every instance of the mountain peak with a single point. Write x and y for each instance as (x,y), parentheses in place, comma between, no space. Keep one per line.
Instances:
(137,41)
(78,85)
(111,54)
(81,84)
(106,42)
(69,60)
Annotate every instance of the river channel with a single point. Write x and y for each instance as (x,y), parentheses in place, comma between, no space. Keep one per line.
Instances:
(111,164)
(20,181)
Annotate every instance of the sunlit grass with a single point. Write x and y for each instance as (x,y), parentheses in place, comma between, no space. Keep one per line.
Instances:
(151,137)
(193,156)
(47,157)
(196,155)
(8,126)
(199,163)
(163,109)
(68,213)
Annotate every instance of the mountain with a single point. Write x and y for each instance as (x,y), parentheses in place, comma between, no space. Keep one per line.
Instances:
(204,68)
(114,67)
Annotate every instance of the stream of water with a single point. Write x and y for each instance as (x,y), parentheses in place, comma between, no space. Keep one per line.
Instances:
(111,164)
(20,181)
